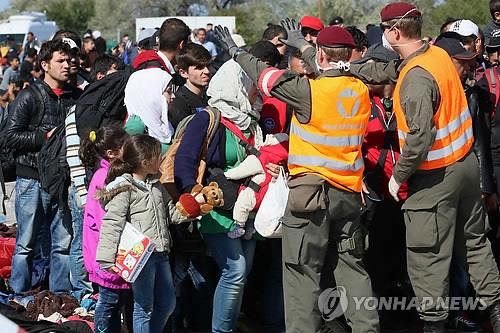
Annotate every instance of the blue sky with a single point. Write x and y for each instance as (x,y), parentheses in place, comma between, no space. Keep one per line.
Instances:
(4,4)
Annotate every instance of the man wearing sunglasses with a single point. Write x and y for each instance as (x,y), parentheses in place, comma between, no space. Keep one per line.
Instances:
(310,28)
(443,212)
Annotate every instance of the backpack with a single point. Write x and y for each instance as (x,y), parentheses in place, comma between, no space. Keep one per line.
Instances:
(7,156)
(102,103)
(168,160)
(494,85)
(54,169)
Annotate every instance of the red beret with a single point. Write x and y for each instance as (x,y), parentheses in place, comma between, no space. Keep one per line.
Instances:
(312,22)
(335,36)
(397,10)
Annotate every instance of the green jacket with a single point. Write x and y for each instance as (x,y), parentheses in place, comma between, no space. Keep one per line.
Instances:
(135,125)
(220,221)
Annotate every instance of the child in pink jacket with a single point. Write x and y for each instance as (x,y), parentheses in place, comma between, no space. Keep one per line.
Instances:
(97,150)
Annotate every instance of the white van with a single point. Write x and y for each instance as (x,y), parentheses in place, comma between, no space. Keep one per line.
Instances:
(17,26)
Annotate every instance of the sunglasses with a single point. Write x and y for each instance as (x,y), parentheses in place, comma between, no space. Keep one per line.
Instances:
(312,32)
(384,27)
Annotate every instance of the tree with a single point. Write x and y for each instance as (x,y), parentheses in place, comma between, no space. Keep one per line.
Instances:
(476,11)
(354,12)
(251,19)
(71,15)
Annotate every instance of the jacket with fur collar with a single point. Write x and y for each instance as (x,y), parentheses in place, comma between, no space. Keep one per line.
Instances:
(145,204)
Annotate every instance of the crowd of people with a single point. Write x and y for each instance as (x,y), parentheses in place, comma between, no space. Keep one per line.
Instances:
(389,141)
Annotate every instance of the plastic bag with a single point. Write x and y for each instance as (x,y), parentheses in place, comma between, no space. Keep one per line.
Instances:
(272,208)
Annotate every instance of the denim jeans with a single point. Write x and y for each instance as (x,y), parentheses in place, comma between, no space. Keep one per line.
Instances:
(78,274)
(194,283)
(107,311)
(34,207)
(234,258)
(154,295)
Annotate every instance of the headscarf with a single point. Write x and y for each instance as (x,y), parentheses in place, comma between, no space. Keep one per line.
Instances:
(144,98)
(228,91)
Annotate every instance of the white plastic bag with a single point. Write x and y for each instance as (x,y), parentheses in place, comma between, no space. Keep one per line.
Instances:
(271,210)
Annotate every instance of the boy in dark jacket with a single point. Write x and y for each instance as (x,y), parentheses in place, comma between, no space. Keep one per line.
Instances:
(36,113)
(193,62)
(495,20)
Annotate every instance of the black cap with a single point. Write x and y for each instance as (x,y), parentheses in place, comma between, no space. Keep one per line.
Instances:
(454,48)
(378,53)
(336,20)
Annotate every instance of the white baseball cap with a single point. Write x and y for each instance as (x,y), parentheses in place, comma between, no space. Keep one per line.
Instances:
(145,33)
(238,40)
(465,28)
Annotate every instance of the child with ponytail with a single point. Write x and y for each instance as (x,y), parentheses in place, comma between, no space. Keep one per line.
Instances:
(97,150)
(134,195)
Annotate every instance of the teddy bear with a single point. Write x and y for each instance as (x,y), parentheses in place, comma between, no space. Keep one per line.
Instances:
(201,201)
(274,150)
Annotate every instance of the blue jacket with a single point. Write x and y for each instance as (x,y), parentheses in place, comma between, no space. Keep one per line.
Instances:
(187,157)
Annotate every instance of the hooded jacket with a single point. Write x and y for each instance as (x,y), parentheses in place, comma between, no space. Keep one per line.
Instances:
(144,204)
(92,222)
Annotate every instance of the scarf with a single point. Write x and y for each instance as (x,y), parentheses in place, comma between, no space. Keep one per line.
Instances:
(228,91)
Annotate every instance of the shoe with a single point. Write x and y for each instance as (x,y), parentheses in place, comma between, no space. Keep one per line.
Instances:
(462,322)
(237,232)
(495,317)
(434,327)
(334,326)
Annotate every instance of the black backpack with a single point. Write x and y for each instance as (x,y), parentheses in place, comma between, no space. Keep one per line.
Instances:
(102,103)
(53,167)
(7,153)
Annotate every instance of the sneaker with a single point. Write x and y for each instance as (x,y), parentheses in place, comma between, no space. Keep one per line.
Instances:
(463,323)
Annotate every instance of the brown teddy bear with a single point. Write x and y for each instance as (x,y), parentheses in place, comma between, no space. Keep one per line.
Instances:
(201,200)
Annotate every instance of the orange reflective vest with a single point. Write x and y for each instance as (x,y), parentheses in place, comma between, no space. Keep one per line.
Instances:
(330,144)
(453,120)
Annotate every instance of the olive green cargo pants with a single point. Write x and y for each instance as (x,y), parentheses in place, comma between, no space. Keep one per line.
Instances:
(320,216)
(444,216)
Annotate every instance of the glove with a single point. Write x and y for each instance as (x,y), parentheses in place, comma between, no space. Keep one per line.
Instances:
(394,188)
(294,35)
(227,42)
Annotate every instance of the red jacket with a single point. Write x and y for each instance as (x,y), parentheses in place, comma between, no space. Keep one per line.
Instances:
(273,115)
(373,145)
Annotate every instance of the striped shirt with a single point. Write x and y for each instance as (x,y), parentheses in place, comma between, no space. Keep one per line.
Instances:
(76,169)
